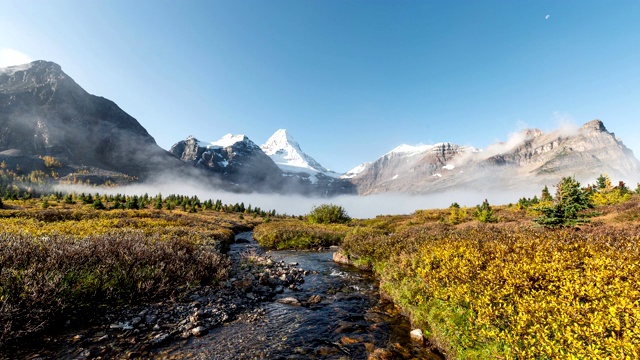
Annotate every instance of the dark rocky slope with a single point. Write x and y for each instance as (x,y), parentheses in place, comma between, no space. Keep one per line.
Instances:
(44,112)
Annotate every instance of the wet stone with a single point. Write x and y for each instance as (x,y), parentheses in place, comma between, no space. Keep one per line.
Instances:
(417,336)
(289,301)
(314,299)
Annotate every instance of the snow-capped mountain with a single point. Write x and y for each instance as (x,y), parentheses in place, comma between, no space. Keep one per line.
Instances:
(43,112)
(355,171)
(285,151)
(239,160)
(235,158)
(529,158)
(229,140)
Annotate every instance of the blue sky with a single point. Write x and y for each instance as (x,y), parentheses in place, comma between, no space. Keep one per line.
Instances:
(350,80)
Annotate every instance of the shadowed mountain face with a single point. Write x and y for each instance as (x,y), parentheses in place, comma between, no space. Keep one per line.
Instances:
(44,112)
(238,160)
(531,158)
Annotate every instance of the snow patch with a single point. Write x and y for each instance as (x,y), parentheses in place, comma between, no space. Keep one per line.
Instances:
(285,151)
(394,177)
(437,175)
(449,167)
(410,150)
(355,171)
(227,140)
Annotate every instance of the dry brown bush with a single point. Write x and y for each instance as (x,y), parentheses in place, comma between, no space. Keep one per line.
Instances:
(44,278)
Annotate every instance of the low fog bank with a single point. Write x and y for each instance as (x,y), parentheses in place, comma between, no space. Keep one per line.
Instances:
(356,206)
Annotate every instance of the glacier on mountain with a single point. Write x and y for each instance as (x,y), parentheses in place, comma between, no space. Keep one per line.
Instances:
(285,151)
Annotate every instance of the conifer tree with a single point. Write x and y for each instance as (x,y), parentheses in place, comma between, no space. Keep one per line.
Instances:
(568,206)
(484,212)
(97,204)
(546,195)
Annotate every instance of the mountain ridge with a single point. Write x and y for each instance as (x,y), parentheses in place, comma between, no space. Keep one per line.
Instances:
(530,157)
(44,112)
(238,159)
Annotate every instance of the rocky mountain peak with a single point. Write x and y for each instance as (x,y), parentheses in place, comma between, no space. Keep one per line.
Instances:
(594,125)
(532,133)
(285,151)
(43,111)
(280,140)
(531,157)
(34,76)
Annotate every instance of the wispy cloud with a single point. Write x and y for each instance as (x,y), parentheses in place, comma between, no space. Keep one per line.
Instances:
(566,124)
(9,57)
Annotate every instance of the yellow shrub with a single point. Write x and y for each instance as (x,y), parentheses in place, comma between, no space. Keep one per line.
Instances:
(525,294)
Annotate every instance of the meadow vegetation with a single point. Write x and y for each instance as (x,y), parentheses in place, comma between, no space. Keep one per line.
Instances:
(554,276)
(326,225)
(294,234)
(514,289)
(62,256)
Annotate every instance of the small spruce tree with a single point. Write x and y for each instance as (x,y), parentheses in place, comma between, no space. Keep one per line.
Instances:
(568,206)
(546,195)
(98,205)
(603,182)
(484,213)
(132,203)
(158,202)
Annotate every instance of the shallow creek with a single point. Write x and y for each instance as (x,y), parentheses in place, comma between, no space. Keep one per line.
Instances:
(340,316)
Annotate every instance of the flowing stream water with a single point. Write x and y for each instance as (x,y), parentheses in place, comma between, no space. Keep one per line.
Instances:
(350,321)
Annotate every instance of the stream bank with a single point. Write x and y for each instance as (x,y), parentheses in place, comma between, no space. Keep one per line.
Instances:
(275,305)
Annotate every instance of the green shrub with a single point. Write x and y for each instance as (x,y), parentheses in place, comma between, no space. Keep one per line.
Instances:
(98,205)
(484,213)
(328,214)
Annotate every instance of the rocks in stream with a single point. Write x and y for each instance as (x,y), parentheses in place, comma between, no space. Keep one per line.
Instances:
(199,331)
(289,301)
(341,258)
(138,330)
(417,336)
(314,299)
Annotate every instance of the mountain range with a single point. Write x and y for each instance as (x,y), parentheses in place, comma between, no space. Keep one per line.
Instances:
(43,112)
